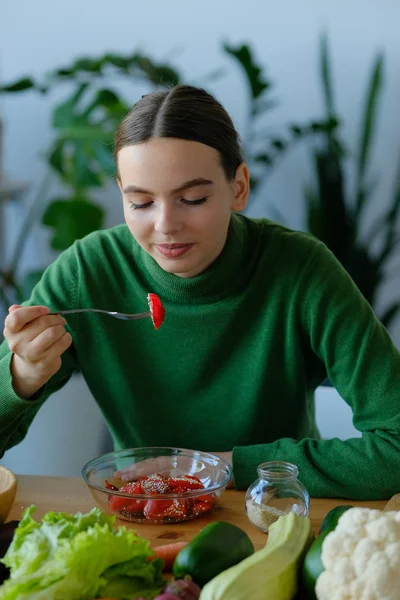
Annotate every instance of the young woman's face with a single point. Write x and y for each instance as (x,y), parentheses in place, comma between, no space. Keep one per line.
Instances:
(177,201)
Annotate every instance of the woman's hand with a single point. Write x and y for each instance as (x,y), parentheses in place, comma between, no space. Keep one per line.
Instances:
(37,341)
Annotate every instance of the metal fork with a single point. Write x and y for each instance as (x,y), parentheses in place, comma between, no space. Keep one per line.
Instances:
(116,315)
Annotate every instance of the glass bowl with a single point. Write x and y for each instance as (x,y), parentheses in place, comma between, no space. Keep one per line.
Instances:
(166,496)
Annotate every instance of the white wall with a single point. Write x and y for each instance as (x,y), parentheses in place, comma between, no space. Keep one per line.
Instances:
(37,36)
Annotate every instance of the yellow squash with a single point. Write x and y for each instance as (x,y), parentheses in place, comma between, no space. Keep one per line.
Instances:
(270,573)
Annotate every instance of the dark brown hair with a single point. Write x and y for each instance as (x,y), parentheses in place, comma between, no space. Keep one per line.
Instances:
(187,113)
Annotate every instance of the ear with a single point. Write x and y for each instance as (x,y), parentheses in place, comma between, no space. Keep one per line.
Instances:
(241,188)
(119,184)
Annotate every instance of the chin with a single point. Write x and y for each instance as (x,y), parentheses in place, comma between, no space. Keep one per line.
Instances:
(171,267)
(179,269)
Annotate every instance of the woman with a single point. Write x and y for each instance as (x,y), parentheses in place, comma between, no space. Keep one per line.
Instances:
(257,316)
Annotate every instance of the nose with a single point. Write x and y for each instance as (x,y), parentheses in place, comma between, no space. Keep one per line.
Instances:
(167,220)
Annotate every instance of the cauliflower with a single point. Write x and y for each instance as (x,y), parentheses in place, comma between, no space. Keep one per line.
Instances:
(361,557)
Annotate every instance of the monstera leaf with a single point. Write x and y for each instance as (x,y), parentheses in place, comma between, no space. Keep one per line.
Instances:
(71,219)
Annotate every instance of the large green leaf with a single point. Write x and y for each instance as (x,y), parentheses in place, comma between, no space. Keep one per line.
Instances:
(91,65)
(368,128)
(390,314)
(83,174)
(85,132)
(56,157)
(313,214)
(71,220)
(104,156)
(158,73)
(108,99)
(326,77)
(333,218)
(252,71)
(64,114)
(116,60)
(21,85)
(111,100)
(81,153)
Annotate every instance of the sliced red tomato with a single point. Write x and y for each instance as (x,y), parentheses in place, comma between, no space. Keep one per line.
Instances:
(202,504)
(110,486)
(155,484)
(185,483)
(118,504)
(157,510)
(157,310)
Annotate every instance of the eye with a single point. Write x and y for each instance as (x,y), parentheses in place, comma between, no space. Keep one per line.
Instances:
(140,206)
(194,202)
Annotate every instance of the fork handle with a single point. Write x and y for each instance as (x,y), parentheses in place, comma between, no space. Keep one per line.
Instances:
(78,310)
(104,312)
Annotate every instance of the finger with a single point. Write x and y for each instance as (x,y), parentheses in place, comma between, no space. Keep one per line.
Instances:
(56,350)
(19,317)
(19,341)
(62,345)
(45,344)
(13,307)
(33,329)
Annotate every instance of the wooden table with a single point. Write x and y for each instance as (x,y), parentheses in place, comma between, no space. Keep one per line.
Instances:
(71,495)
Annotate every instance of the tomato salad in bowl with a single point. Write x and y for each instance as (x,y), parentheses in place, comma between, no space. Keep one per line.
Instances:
(169,485)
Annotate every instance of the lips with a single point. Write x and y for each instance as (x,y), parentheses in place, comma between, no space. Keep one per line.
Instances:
(173,250)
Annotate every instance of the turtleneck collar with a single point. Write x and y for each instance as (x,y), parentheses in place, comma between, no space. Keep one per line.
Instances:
(218,280)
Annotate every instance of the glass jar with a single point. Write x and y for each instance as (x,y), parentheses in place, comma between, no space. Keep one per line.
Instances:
(276,492)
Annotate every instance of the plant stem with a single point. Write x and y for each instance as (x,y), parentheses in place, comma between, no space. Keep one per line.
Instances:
(29,222)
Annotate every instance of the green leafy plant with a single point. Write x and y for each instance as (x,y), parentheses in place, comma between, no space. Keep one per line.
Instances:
(81,152)
(336,215)
(81,158)
(262,149)
(333,214)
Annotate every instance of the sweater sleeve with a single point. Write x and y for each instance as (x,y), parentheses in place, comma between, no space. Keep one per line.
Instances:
(56,289)
(364,366)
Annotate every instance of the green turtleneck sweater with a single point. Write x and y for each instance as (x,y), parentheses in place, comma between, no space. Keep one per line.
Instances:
(236,362)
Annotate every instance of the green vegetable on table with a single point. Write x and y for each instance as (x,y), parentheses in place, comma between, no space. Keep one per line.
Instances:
(76,557)
(217,547)
(312,566)
(270,573)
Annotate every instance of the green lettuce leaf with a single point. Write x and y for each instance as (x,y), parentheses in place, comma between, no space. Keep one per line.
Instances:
(78,557)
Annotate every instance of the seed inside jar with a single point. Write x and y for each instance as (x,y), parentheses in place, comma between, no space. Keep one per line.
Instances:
(261,515)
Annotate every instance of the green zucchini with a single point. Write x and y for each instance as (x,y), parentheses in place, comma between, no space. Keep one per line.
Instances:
(312,566)
(217,547)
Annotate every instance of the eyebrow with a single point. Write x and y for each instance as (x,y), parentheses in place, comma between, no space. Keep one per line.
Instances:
(133,189)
